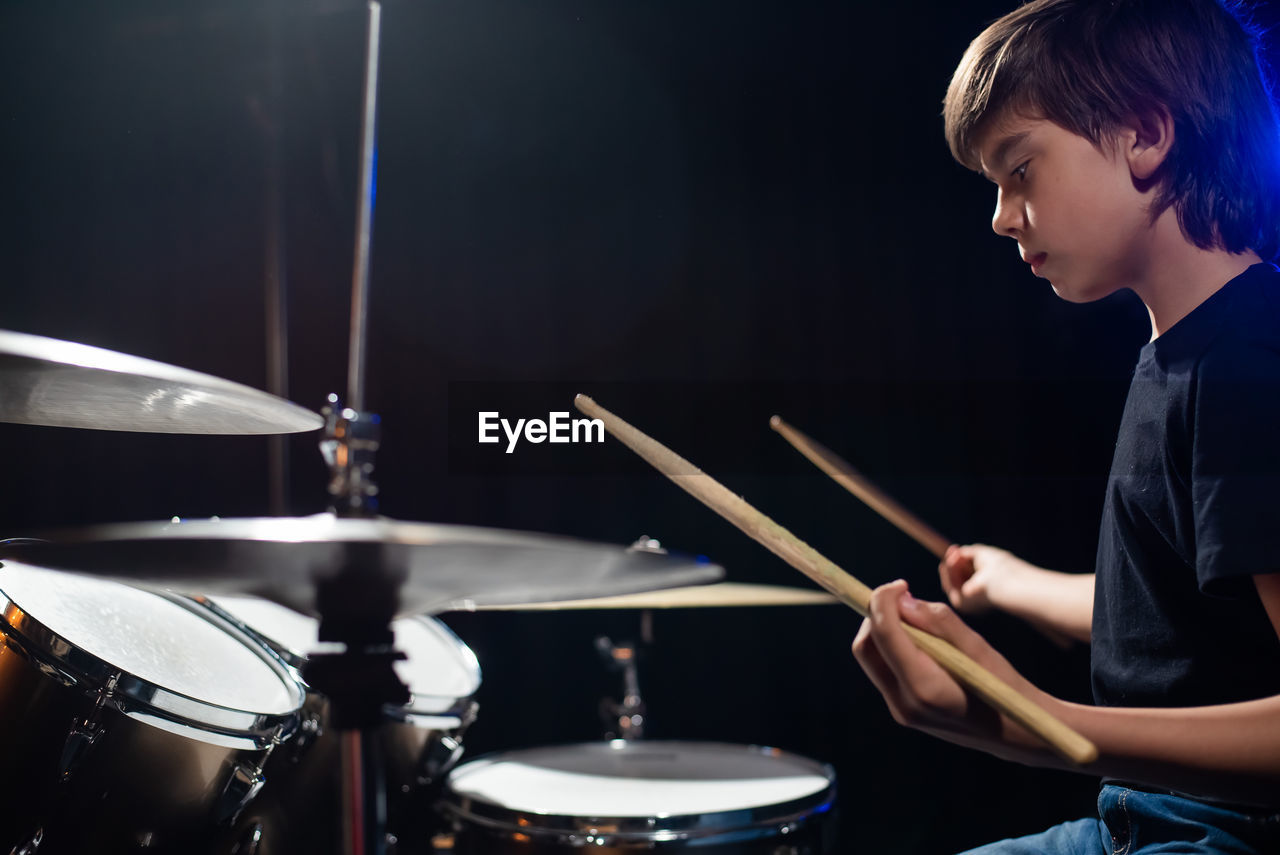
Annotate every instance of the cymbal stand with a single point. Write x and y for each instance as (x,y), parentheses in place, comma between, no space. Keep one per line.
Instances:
(350,443)
(357,604)
(625,719)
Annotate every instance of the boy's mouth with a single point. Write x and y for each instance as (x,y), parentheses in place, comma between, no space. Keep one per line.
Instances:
(1036,261)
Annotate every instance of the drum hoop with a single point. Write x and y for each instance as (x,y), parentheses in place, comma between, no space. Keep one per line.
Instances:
(438,706)
(66,662)
(708,828)
(425,703)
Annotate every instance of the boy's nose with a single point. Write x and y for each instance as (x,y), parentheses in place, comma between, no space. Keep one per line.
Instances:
(1007,219)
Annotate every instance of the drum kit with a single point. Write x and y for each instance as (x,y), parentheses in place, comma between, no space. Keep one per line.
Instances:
(197,685)
(276,685)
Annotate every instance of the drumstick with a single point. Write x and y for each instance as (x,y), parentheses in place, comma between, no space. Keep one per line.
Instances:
(858,484)
(807,560)
(880,502)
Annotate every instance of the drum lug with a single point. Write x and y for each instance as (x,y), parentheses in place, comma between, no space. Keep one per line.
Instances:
(84,733)
(82,737)
(242,786)
(438,759)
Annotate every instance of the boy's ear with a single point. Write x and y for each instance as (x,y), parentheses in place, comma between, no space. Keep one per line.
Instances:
(1147,141)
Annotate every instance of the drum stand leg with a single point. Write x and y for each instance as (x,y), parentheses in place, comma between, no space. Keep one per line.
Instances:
(364,817)
(356,607)
(625,719)
(358,685)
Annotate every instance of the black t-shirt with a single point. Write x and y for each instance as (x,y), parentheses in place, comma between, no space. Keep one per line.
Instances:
(1193,511)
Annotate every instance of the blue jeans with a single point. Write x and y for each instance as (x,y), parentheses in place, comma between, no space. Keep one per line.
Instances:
(1132,822)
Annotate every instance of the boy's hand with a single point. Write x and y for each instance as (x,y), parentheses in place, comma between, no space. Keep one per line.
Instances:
(979,578)
(970,573)
(919,693)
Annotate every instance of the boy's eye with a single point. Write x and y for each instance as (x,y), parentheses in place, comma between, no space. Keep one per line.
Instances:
(1021,171)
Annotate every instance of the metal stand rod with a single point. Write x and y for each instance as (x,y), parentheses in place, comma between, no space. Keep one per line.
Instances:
(359,684)
(364,220)
(356,608)
(353,822)
(349,445)
(364,793)
(275,271)
(624,719)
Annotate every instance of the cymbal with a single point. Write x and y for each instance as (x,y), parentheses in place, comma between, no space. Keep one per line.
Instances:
(718,595)
(45,381)
(283,558)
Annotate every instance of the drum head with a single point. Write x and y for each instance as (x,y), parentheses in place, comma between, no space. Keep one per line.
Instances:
(291,634)
(439,669)
(146,635)
(658,790)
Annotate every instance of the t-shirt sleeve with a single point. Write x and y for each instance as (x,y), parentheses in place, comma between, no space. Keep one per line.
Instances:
(1236,466)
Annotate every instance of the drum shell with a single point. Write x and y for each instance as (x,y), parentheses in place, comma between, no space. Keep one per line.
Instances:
(803,826)
(136,787)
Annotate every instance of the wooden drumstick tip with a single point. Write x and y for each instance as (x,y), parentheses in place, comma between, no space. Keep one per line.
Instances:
(775,422)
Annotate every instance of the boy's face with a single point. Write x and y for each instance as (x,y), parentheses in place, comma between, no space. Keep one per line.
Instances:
(1080,219)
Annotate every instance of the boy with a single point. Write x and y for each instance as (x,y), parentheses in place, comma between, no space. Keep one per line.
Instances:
(1133,144)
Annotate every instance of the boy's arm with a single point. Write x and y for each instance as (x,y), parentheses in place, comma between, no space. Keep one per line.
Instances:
(1230,751)
(978,578)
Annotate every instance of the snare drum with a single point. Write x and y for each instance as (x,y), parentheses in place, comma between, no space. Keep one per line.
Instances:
(622,796)
(299,811)
(129,720)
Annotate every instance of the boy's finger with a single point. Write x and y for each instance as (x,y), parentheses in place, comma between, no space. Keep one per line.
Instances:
(906,660)
(939,620)
(955,593)
(877,670)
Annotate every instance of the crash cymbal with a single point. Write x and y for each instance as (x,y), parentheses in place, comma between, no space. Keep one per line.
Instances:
(432,565)
(44,381)
(721,594)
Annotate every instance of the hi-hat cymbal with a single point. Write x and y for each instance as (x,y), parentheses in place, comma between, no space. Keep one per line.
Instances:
(45,381)
(718,595)
(433,565)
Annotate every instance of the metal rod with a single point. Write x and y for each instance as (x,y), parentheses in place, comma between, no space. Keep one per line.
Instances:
(364,801)
(364,219)
(276,273)
(354,822)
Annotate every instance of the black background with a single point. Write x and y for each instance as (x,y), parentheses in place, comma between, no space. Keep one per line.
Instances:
(699,213)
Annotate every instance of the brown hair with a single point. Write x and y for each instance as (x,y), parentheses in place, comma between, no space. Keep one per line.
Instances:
(1090,65)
